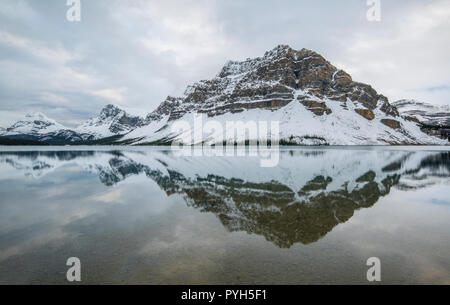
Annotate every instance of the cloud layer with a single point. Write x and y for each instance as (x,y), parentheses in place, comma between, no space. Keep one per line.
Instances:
(135,52)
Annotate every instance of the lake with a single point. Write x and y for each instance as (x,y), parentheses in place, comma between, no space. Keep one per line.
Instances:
(144,215)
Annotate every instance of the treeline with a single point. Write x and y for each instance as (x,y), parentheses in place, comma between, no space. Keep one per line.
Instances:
(11,142)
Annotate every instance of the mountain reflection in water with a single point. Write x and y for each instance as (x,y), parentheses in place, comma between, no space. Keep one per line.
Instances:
(308,194)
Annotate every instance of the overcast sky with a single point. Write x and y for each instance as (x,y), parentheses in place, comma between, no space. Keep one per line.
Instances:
(135,53)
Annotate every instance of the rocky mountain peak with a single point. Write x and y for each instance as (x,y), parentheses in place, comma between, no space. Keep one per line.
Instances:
(285,51)
(283,55)
(110,111)
(315,102)
(112,120)
(273,81)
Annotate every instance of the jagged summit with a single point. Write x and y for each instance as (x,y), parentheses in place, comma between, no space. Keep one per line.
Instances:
(112,120)
(109,110)
(281,51)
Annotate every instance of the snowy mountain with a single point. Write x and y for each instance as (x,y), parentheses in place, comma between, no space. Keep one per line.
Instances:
(314,102)
(2,131)
(305,197)
(424,113)
(112,121)
(37,127)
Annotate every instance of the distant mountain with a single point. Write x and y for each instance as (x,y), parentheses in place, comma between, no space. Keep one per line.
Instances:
(35,123)
(424,113)
(315,103)
(37,127)
(433,119)
(111,122)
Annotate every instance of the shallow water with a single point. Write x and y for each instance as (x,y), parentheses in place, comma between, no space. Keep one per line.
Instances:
(144,215)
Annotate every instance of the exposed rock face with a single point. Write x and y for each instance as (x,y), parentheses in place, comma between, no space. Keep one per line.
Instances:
(367,113)
(171,107)
(391,123)
(318,108)
(411,119)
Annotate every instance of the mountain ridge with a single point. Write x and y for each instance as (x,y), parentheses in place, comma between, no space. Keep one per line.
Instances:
(433,119)
(308,195)
(112,121)
(314,102)
(35,126)
(426,113)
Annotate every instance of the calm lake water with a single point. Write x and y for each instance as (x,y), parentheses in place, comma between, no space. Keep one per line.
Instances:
(147,216)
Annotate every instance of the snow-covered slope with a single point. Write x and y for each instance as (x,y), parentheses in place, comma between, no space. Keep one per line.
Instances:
(297,125)
(313,101)
(435,115)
